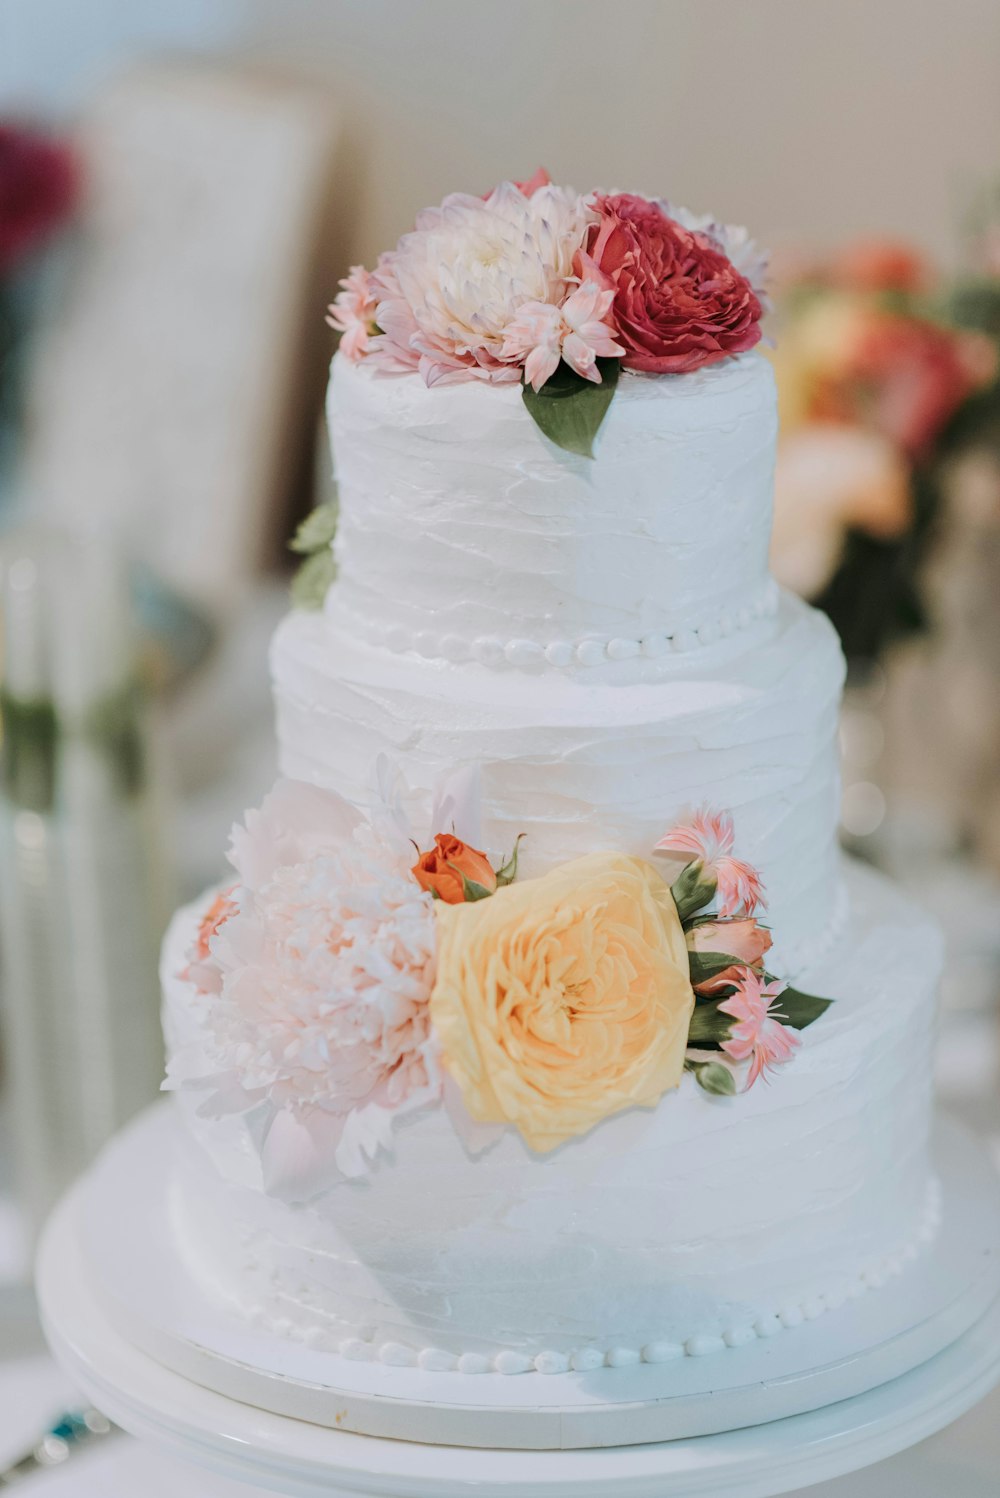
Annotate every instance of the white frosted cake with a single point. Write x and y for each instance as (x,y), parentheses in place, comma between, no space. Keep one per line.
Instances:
(543,1027)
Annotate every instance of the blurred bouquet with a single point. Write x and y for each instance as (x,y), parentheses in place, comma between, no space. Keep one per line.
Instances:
(38,191)
(876,377)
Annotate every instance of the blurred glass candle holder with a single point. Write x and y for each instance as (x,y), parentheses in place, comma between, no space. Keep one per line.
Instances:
(83,869)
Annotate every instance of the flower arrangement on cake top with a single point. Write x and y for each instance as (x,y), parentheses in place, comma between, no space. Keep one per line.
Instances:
(346,982)
(557,290)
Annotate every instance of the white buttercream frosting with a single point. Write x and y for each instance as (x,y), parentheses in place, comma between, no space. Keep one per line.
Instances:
(687,1229)
(580,764)
(460,523)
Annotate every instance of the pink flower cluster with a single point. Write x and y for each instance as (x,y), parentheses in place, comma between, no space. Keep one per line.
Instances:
(742,990)
(507,286)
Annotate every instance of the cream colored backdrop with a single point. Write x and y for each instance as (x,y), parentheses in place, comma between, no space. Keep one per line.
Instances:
(813,119)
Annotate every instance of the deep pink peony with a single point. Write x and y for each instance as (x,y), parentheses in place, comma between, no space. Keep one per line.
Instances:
(679,301)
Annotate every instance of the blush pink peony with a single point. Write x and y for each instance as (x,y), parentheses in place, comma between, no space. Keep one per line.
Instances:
(679,302)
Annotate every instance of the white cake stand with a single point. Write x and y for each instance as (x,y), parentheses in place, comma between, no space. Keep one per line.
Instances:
(129,1326)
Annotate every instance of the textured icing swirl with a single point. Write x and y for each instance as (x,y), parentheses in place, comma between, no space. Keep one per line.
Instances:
(605,760)
(459,520)
(687,1228)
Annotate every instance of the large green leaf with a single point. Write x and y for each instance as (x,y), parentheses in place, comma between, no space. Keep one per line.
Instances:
(692,889)
(705,965)
(570,409)
(316,531)
(313,578)
(800,1009)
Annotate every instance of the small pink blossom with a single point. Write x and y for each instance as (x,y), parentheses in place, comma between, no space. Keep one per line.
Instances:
(539,178)
(353,313)
(708,836)
(577,332)
(758,1035)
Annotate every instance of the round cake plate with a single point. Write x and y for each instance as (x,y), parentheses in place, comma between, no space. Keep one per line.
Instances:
(302,1460)
(120,1218)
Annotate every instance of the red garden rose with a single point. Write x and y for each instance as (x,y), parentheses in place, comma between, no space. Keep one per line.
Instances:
(38,187)
(679,302)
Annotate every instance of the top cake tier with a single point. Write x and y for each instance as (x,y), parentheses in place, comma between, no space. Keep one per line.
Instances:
(464,533)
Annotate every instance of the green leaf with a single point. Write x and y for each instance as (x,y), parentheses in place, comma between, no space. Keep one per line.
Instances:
(316,531)
(692,889)
(708,1027)
(799,1009)
(312,579)
(569,409)
(705,965)
(471,889)
(714,1078)
(508,872)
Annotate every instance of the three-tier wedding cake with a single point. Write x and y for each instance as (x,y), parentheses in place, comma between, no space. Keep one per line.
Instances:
(541,1026)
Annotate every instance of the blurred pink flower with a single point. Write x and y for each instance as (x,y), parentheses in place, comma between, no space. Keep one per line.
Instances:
(352,313)
(577,332)
(758,1035)
(449,291)
(708,836)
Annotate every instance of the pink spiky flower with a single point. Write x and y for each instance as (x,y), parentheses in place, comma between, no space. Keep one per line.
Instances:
(578,331)
(353,313)
(758,1035)
(708,836)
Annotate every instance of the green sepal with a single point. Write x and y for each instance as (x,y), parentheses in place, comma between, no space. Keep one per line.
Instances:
(708,1027)
(692,890)
(569,409)
(713,1077)
(799,1009)
(316,531)
(507,873)
(471,889)
(313,578)
(705,965)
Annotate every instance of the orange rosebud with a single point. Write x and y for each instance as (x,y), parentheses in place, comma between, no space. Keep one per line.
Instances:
(440,870)
(743,939)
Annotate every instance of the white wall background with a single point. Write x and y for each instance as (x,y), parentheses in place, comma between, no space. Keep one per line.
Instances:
(808,119)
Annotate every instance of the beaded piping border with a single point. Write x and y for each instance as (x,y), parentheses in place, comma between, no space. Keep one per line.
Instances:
(586,1359)
(526,655)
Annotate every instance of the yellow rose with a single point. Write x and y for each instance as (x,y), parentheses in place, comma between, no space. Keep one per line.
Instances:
(564,999)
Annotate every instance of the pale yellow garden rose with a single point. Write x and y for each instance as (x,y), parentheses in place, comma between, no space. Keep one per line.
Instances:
(561,1000)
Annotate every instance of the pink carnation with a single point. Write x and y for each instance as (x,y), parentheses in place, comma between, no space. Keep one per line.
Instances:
(541,334)
(758,1035)
(708,836)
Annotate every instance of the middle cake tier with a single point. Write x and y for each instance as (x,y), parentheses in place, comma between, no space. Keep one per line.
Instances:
(748,726)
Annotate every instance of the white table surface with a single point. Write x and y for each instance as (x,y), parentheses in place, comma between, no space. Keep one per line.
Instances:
(961,1462)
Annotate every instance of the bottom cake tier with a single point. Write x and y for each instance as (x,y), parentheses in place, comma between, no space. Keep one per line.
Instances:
(696,1226)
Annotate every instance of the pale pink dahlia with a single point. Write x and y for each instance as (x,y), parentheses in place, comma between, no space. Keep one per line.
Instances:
(322,977)
(578,331)
(708,837)
(758,1035)
(352,313)
(449,291)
